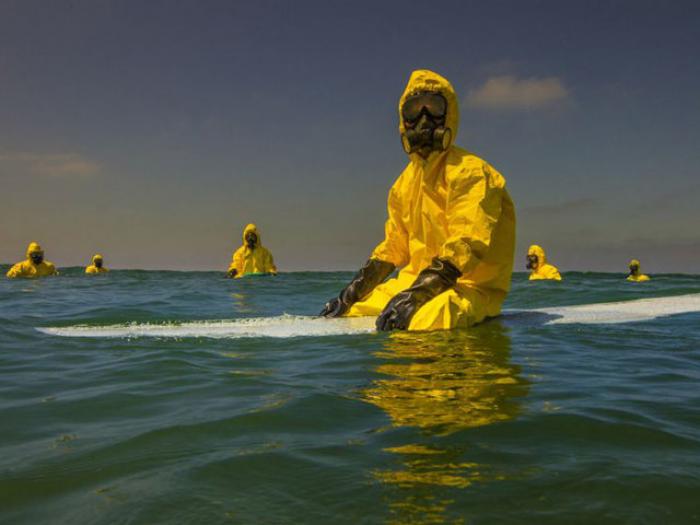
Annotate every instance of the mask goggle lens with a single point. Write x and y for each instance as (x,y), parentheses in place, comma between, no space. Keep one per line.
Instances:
(433,103)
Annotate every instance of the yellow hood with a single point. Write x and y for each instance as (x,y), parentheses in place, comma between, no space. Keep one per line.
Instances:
(251,228)
(635,262)
(33,248)
(425,80)
(539,252)
(97,257)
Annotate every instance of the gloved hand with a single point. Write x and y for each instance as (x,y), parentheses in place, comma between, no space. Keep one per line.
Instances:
(370,275)
(440,276)
(231,273)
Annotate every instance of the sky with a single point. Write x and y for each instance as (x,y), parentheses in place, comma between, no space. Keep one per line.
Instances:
(153,132)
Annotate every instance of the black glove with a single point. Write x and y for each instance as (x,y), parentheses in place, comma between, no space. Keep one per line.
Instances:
(370,275)
(232,273)
(440,276)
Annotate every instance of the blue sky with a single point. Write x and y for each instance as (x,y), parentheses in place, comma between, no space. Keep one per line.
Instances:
(154,131)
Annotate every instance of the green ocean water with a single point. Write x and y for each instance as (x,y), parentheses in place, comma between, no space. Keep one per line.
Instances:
(509,422)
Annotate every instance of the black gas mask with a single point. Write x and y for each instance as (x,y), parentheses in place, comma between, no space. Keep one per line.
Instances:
(37,257)
(251,239)
(532,262)
(634,269)
(98,263)
(424,115)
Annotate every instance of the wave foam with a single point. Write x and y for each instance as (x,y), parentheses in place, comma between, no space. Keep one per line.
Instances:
(300,326)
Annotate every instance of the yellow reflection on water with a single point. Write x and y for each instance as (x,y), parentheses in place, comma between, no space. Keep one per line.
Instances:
(242,303)
(441,383)
(447,381)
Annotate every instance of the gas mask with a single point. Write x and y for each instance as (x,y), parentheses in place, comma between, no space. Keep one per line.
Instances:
(251,240)
(532,262)
(37,257)
(424,115)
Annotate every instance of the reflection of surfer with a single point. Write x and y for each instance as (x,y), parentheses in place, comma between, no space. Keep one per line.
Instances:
(452,382)
(442,383)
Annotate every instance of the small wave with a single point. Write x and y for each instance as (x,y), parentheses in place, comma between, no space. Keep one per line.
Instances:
(307,326)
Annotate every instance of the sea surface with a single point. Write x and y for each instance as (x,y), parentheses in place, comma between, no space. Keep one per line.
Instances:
(508,422)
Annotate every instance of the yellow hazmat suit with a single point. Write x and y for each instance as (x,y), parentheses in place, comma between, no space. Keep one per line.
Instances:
(544,270)
(29,269)
(454,206)
(93,268)
(639,276)
(252,260)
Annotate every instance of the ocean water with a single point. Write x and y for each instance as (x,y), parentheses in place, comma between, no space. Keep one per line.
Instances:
(595,419)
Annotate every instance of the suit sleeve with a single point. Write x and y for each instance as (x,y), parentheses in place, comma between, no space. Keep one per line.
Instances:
(237,261)
(474,203)
(553,273)
(394,247)
(15,271)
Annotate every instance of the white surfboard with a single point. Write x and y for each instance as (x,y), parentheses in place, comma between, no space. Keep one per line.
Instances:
(624,311)
(278,326)
(307,326)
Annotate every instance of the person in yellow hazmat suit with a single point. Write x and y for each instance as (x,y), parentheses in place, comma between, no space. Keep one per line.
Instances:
(451,227)
(636,274)
(540,268)
(97,265)
(34,265)
(252,257)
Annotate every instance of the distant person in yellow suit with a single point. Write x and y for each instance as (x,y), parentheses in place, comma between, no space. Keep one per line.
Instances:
(252,257)
(451,227)
(34,265)
(635,272)
(97,265)
(540,268)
